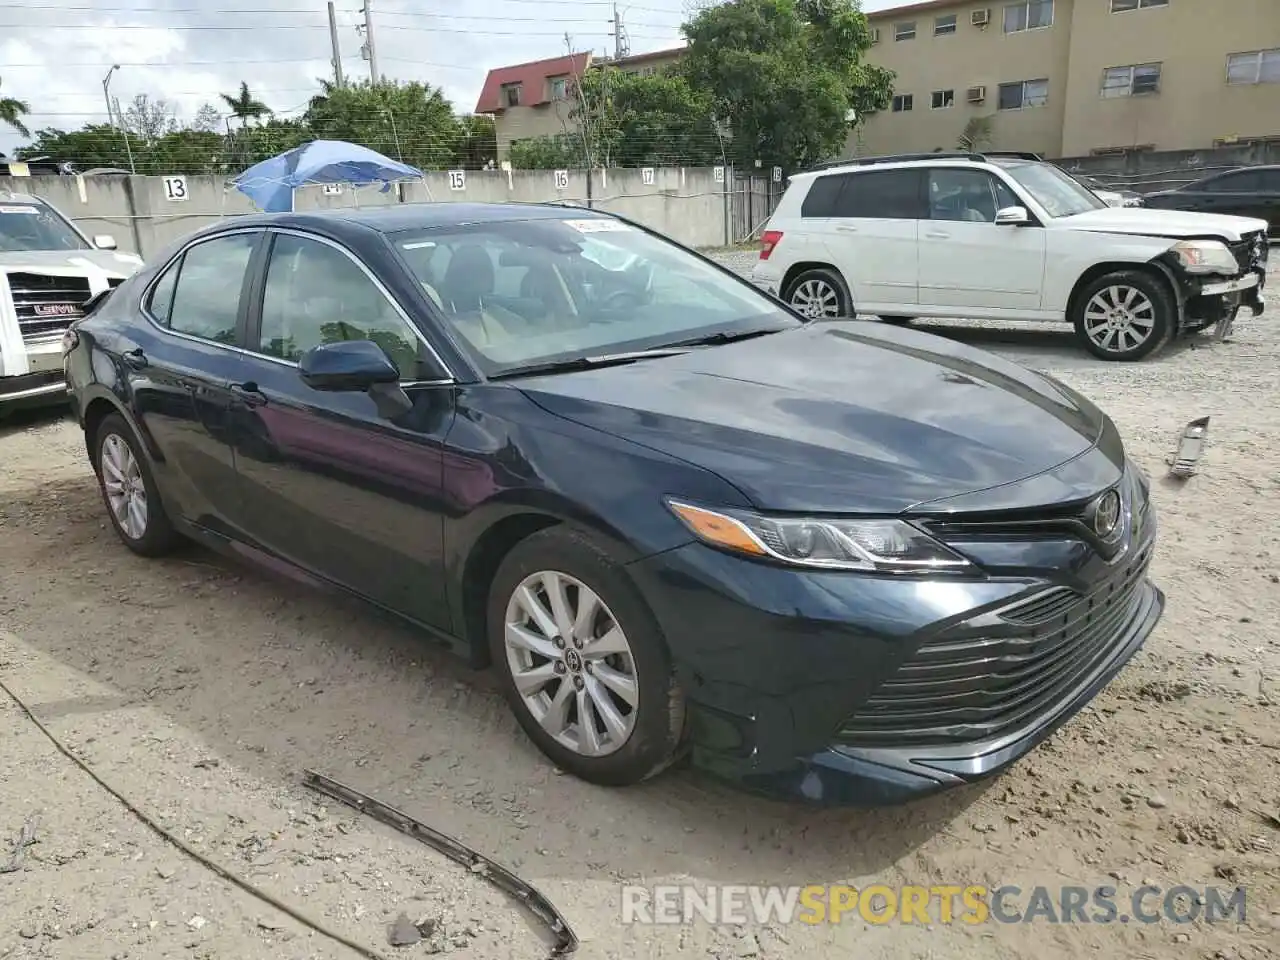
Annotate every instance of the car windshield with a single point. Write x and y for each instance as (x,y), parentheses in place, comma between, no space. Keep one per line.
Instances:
(525,293)
(25,226)
(1054,189)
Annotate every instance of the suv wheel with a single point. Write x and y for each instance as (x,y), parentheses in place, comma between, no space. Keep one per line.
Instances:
(819,295)
(1126,315)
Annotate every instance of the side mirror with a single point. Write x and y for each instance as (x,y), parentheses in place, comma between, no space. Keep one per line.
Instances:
(104,241)
(349,366)
(1012,217)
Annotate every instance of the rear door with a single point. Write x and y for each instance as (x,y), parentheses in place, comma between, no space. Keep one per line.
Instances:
(1238,193)
(968,262)
(181,367)
(327,482)
(873,237)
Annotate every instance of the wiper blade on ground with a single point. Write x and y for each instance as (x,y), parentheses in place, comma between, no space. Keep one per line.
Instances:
(731,336)
(586,363)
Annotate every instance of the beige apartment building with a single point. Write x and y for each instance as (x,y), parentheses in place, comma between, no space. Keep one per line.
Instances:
(1078,77)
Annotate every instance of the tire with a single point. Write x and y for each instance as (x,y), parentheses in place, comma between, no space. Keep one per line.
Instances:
(819,294)
(123,472)
(646,736)
(1127,315)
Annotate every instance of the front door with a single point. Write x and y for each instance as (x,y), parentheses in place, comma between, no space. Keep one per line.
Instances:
(966,260)
(180,375)
(327,482)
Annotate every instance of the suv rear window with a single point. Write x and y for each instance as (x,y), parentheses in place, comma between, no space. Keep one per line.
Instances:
(871,194)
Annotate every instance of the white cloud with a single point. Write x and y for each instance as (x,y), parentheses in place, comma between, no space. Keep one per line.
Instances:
(55,53)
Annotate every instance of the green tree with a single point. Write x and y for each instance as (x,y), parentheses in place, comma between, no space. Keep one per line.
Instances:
(977,134)
(11,113)
(148,118)
(477,143)
(93,145)
(558,152)
(654,120)
(784,76)
(243,106)
(412,122)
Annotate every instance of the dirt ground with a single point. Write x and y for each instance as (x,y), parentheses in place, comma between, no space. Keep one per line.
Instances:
(202,690)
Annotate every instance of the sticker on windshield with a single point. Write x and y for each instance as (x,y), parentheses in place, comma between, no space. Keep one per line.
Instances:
(30,210)
(600,225)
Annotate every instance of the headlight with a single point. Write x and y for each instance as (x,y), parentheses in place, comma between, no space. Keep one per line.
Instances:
(1205,256)
(885,546)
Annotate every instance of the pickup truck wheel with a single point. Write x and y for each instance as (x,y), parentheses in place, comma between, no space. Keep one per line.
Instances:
(819,295)
(1127,315)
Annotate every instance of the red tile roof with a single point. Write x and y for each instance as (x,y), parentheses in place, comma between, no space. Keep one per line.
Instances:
(533,80)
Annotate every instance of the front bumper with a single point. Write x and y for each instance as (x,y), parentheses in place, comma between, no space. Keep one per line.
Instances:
(818,686)
(42,381)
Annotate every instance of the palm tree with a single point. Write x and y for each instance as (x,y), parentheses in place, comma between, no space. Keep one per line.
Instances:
(11,113)
(243,106)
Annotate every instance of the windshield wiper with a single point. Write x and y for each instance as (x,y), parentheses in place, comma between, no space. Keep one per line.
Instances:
(730,336)
(586,363)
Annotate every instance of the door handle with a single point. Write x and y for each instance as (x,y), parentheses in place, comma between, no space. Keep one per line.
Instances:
(844,229)
(248,394)
(134,358)
(937,235)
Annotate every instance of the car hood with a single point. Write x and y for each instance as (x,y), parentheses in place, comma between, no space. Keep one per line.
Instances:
(1144,221)
(78,262)
(836,417)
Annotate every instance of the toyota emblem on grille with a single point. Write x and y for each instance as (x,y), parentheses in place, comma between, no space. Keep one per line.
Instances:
(1106,515)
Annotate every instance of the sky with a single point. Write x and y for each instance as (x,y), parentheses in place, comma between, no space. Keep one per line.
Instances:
(54,54)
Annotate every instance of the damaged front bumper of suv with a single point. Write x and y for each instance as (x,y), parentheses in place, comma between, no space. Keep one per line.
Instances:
(1215,300)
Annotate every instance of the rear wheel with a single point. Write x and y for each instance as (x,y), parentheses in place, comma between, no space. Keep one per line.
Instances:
(819,294)
(582,661)
(129,490)
(1127,315)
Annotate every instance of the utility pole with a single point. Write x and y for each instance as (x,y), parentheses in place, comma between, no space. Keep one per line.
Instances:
(621,45)
(370,51)
(106,94)
(333,40)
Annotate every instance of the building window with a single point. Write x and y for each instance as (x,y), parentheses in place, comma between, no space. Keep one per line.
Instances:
(943,26)
(1122,6)
(558,88)
(1135,81)
(1260,66)
(1023,94)
(903,103)
(1028,15)
(904,31)
(942,99)
(511,94)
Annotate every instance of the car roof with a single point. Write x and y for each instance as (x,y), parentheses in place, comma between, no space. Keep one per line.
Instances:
(420,216)
(854,164)
(9,197)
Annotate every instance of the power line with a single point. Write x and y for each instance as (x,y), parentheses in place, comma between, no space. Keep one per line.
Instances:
(102,8)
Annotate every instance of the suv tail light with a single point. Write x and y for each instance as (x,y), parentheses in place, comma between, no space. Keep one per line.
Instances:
(768,240)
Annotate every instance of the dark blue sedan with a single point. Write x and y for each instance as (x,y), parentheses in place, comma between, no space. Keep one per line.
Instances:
(839,561)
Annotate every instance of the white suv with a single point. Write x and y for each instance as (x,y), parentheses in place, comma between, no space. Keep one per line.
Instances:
(965,235)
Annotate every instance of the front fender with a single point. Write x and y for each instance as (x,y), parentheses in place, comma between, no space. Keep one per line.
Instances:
(1072,253)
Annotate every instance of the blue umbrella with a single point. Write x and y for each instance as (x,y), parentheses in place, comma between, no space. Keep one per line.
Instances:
(270,184)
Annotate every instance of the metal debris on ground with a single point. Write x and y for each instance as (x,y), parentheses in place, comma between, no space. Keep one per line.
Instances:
(566,941)
(403,933)
(1190,445)
(26,838)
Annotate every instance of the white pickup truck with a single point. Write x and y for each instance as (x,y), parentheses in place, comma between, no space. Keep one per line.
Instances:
(48,270)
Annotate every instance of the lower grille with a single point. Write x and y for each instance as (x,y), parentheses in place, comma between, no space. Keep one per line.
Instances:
(47,304)
(962,690)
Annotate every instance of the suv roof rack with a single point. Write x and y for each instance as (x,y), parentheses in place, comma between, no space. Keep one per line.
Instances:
(1015,155)
(895,158)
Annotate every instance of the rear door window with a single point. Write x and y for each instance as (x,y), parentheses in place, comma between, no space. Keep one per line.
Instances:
(1246,181)
(882,195)
(206,300)
(823,197)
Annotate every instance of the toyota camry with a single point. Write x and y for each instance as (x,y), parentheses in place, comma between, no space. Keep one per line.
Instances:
(843,562)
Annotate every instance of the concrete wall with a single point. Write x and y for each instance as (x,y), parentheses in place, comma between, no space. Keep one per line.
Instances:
(683,203)
(1163,170)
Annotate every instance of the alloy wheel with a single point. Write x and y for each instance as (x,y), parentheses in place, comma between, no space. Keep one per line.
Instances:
(122,481)
(816,299)
(1119,318)
(571,663)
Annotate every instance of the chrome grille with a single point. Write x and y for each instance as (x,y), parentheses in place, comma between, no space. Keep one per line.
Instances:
(47,304)
(957,689)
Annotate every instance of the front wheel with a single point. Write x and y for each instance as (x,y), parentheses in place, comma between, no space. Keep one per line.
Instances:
(1127,315)
(819,295)
(582,661)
